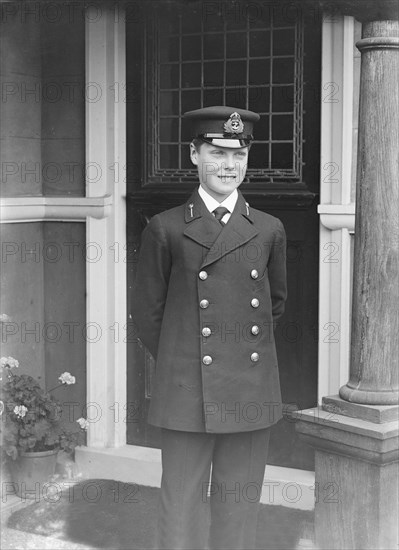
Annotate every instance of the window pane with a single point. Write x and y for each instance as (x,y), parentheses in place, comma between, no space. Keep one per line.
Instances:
(186,130)
(213,97)
(191,75)
(169,76)
(236,45)
(169,104)
(168,156)
(259,156)
(260,19)
(282,155)
(259,71)
(192,21)
(213,73)
(282,127)
(259,97)
(169,50)
(283,42)
(213,46)
(234,16)
(236,72)
(261,130)
(190,100)
(191,47)
(169,129)
(236,97)
(212,17)
(283,71)
(259,43)
(283,99)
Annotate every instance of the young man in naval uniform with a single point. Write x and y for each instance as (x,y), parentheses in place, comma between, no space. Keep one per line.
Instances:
(211,281)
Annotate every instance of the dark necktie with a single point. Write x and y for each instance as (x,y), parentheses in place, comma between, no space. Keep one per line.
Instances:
(219,212)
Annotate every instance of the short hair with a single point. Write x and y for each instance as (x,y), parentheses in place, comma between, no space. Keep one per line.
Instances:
(197,142)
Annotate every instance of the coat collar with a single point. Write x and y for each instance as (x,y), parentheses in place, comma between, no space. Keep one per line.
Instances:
(195,208)
(204,229)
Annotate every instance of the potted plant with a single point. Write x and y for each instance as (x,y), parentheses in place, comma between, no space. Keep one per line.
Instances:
(33,430)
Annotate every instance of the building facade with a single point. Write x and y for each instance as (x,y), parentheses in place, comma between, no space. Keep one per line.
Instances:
(93,145)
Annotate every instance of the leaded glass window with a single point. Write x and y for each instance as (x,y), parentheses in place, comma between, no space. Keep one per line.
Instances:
(250,63)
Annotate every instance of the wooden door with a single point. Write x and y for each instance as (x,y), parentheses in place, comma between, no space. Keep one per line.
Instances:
(183,56)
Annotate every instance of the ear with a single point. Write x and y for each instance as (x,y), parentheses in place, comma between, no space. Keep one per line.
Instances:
(193,154)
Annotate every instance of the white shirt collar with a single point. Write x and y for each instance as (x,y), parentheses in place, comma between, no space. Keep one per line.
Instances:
(212,203)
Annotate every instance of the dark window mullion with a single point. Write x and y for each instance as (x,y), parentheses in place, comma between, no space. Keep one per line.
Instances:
(224,61)
(180,87)
(247,67)
(156,96)
(202,62)
(270,92)
(294,142)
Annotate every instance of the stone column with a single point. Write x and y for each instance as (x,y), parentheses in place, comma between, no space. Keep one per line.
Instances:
(355,434)
(375,327)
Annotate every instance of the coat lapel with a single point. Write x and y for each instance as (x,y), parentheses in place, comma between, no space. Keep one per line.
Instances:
(203,228)
(237,231)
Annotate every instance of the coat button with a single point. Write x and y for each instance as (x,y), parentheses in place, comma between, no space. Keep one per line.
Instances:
(254,357)
(203,275)
(207,359)
(204,304)
(255,330)
(255,302)
(206,331)
(254,274)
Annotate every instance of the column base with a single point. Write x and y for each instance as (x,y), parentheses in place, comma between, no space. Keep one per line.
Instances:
(378,414)
(356,479)
(365,397)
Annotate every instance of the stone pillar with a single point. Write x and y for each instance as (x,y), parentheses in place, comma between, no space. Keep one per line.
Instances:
(355,434)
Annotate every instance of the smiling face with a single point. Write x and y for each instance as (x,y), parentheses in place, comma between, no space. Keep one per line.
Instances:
(220,169)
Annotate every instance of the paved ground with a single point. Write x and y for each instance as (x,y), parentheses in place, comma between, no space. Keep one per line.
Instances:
(103,514)
(13,539)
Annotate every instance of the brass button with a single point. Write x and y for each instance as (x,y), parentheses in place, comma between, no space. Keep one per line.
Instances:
(203,275)
(207,359)
(206,331)
(204,304)
(255,330)
(255,302)
(254,357)
(254,274)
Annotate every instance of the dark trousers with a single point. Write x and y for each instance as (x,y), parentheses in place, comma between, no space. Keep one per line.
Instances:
(238,464)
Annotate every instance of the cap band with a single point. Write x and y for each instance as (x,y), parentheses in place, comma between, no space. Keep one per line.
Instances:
(235,143)
(226,136)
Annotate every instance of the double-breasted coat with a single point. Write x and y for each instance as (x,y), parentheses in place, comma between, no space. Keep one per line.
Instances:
(205,300)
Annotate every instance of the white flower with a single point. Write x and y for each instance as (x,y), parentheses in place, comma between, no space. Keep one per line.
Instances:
(9,362)
(67,378)
(83,423)
(4,318)
(20,410)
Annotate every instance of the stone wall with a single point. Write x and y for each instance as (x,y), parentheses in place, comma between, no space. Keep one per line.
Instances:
(42,154)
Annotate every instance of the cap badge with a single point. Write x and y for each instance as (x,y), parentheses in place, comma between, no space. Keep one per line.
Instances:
(234,124)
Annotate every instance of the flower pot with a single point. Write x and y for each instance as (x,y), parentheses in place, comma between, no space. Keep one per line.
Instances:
(31,471)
